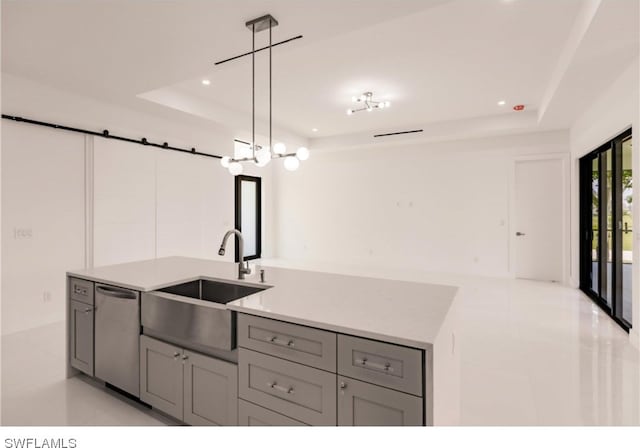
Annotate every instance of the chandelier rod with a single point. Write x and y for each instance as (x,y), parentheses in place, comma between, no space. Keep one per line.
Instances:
(253,90)
(270,91)
(233,58)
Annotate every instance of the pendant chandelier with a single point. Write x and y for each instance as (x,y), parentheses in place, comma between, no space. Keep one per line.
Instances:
(262,155)
(368,103)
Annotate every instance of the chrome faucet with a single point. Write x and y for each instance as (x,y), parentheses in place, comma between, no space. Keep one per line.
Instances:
(242,269)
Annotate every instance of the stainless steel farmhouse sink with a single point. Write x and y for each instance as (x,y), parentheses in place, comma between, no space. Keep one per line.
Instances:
(212,290)
(194,313)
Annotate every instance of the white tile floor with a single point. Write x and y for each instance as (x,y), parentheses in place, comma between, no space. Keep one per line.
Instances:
(36,392)
(532,353)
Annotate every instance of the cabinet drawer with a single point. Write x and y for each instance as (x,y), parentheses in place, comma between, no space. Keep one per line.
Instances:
(364,404)
(81,290)
(250,414)
(380,363)
(309,346)
(288,388)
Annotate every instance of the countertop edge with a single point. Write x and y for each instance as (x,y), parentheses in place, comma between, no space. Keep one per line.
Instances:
(96,279)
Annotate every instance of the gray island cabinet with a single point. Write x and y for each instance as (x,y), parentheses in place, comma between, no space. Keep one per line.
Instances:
(301,373)
(80,325)
(387,358)
(193,388)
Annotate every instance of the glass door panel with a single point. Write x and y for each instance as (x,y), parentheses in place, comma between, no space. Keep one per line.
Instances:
(627,227)
(595,236)
(607,225)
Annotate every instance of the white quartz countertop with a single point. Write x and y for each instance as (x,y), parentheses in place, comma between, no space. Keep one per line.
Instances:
(401,312)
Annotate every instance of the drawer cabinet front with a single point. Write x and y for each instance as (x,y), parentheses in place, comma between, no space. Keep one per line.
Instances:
(81,290)
(288,388)
(308,346)
(250,414)
(363,404)
(211,391)
(161,376)
(380,363)
(81,336)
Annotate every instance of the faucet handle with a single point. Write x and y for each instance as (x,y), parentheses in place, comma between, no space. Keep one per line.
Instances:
(247,269)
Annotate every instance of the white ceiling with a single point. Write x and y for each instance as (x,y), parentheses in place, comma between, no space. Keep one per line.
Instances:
(436,60)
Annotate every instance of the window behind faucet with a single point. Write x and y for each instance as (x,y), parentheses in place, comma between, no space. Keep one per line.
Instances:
(249,215)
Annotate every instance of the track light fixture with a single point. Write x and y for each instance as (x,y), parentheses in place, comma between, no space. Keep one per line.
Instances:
(367,103)
(259,155)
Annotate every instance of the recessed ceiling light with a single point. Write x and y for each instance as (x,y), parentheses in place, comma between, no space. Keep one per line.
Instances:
(206,82)
(314,130)
(502,103)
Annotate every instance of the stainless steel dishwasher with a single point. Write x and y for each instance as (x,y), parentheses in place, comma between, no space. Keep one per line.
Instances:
(117,332)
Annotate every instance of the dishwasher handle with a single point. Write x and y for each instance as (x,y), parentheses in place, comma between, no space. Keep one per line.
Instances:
(116,293)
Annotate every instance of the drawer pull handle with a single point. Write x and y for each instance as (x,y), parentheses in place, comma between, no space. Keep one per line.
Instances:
(176,355)
(274,340)
(386,367)
(87,310)
(286,390)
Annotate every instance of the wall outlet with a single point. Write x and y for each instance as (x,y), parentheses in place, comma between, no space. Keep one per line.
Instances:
(46,296)
(22,233)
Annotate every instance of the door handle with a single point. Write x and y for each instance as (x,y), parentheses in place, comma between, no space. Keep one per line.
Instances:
(116,293)
(520,234)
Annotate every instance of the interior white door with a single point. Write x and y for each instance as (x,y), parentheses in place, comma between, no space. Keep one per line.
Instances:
(538,219)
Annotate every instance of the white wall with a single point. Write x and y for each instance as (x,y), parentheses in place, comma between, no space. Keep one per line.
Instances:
(194,207)
(616,109)
(89,200)
(440,207)
(42,222)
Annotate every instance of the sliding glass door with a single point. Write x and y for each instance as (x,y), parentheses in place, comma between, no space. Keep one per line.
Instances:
(606,227)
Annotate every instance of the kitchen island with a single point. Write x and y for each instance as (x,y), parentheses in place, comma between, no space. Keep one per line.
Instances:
(311,347)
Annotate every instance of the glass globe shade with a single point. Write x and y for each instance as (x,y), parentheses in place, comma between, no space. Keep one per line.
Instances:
(263,157)
(291,163)
(235,168)
(225,161)
(302,153)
